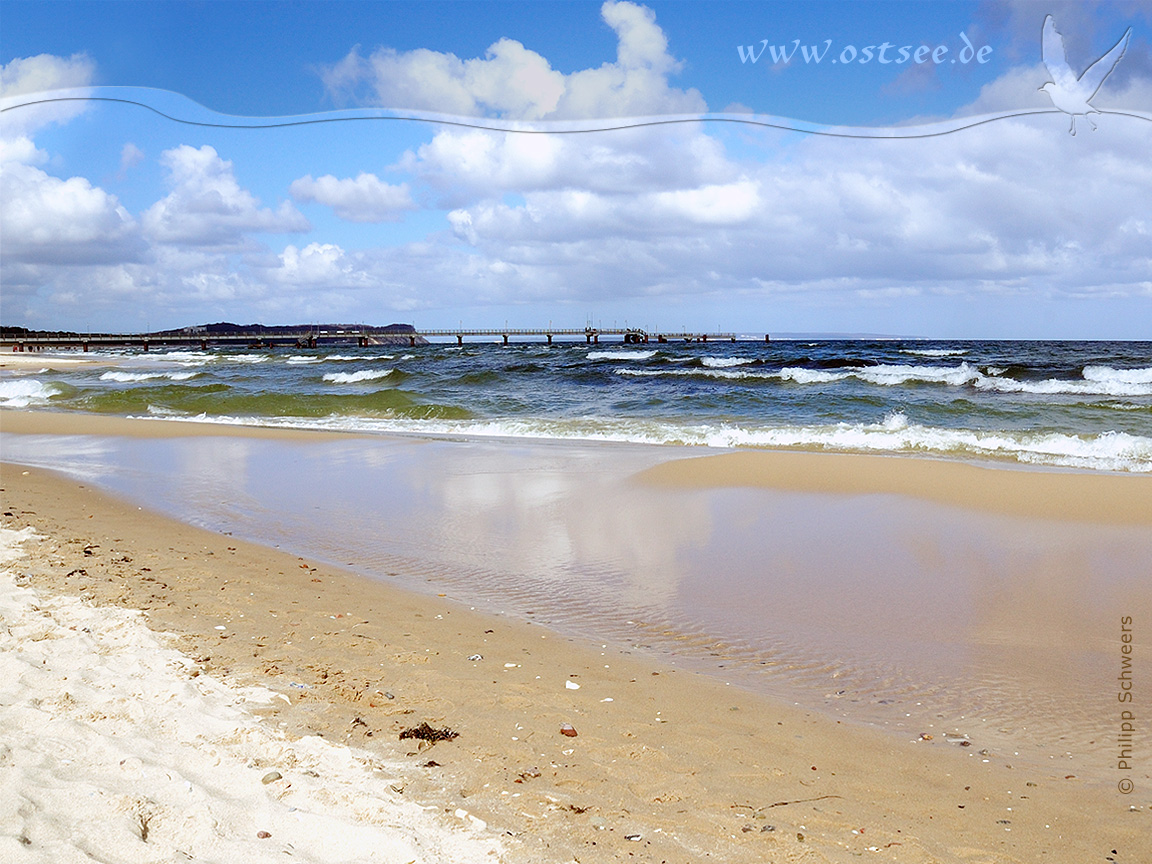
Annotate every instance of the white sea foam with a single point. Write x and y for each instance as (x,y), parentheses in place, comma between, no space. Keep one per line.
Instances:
(1097,380)
(303,361)
(1102,386)
(1109,451)
(356,377)
(133,377)
(935,352)
(105,732)
(732,374)
(620,355)
(24,392)
(1124,376)
(726,362)
(188,358)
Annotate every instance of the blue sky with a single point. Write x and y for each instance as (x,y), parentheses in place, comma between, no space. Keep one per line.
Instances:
(114,218)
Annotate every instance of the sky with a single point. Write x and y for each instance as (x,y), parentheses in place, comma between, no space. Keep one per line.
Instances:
(442,183)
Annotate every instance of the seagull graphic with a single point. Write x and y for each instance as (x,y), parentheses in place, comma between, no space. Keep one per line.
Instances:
(1070,94)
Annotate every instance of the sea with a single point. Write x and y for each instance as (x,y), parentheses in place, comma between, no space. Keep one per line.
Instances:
(502,478)
(1085,405)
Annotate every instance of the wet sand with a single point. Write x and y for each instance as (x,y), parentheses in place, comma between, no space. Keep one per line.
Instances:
(1113,499)
(694,767)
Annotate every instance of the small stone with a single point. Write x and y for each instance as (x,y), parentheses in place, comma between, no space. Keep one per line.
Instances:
(633,836)
(571,685)
(568,730)
(271,777)
(924,736)
(476,657)
(263,835)
(767,828)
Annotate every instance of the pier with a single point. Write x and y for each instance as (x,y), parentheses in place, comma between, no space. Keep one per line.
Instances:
(196,337)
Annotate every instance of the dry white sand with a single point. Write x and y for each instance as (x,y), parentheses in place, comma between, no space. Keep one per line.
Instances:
(114,748)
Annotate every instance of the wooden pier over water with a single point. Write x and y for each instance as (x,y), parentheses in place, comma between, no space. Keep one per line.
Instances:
(312,337)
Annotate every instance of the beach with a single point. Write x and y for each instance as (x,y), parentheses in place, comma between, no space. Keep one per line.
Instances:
(670,761)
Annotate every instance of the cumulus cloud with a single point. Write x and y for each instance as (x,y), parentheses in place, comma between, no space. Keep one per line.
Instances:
(46,220)
(465,165)
(208,207)
(365,199)
(908,213)
(514,82)
(25,78)
(319,265)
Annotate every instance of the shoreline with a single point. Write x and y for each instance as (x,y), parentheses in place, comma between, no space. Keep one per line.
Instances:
(1007,487)
(679,758)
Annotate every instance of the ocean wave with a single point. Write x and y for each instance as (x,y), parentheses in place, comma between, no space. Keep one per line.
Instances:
(303,361)
(1096,381)
(24,392)
(620,355)
(1108,375)
(935,352)
(356,377)
(725,362)
(187,355)
(730,374)
(895,434)
(133,377)
(1062,387)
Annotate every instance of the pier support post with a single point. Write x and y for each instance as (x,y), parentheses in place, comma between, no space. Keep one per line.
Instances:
(766,339)
(411,341)
(459,339)
(505,338)
(203,344)
(549,335)
(596,338)
(85,347)
(145,344)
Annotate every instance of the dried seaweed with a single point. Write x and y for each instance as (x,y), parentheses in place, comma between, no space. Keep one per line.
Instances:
(424,732)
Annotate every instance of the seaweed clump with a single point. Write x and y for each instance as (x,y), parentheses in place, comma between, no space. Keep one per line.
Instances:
(424,732)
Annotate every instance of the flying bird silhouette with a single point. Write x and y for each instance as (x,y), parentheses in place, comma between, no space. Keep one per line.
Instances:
(1070,94)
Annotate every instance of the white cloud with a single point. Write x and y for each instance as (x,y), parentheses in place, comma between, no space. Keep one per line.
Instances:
(365,199)
(467,165)
(514,82)
(321,265)
(207,206)
(130,156)
(35,77)
(21,150)
(858,214)
(1019,88)
(47,220)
